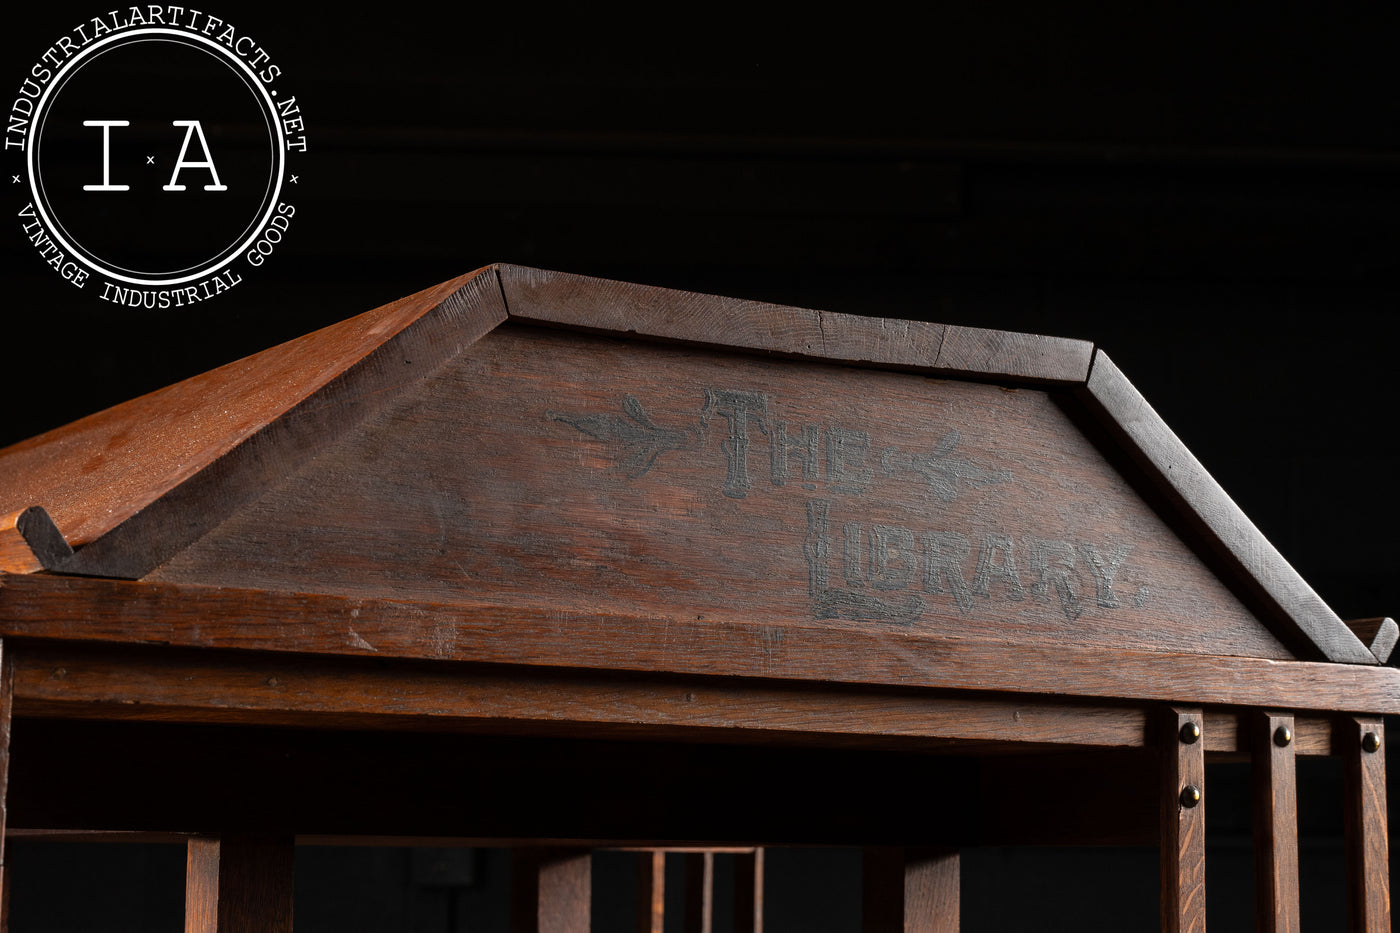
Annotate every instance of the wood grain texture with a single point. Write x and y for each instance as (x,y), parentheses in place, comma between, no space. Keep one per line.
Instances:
(1183,836)
(910,891)
(239,884)
(29,541)
(1273,771)
(551,890)
(748,892)
(181,686)
(1379,635)
(444,322)
(1367,842)
(554,470)
(108,611)
(603,306)
(98,472)
(1273,588)
(1230,734)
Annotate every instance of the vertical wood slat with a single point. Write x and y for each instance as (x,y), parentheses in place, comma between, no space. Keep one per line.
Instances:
(239,884)
(551,890)
(911,891)
(1368,872)
(1274,773)
(7,694)
(651,892)
(1183,836)
(748,892)
(699,891)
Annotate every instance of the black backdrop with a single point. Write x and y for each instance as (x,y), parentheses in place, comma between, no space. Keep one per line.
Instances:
(1212,198)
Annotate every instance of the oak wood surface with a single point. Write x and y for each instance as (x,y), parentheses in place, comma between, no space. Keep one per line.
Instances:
(1274,588)
(239,883)
(551,890)
(1183,837)
(29,541)
(105,611)
(1274,775)
(1379,635)
(910,891)
(601,305)
(173,686)
(95,473)
(552,470)
(1367,842)
(447,320)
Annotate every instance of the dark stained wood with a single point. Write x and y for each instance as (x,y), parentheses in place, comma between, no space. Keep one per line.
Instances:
(551,890)
(1379,635)
(1183,835)
(29,541)
(351,392)
(1230,734)
(910,891)
(1274,774)
(699,891)
(170,686)
(549,470)
(748,892)
(1273,587)
(1367,843)
(239,884)
(600,305)
(651,891)
(95,473)
(76,609)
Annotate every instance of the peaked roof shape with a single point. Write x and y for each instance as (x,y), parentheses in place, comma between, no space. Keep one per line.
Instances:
(117,493)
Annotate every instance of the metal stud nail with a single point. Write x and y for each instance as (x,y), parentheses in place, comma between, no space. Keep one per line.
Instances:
(1283,736)
(1371,742)
(1190,796)
(1190,732)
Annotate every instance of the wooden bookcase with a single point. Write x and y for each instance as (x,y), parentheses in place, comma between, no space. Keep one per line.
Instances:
(562,563)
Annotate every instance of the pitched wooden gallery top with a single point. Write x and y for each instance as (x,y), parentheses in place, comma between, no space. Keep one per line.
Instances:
(541,508)
(522,466)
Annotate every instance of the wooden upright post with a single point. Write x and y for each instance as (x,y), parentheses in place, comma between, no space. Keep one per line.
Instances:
(651,892)
(911,891)
(1275,823)
(748,892)
(551,890)
(1361,743)
(699,891)
(1183,814)
(239,884)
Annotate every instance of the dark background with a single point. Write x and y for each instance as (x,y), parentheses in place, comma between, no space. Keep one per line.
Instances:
(1212,198)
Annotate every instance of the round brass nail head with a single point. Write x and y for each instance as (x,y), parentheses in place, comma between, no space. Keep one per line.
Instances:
(1190,796)
(1371,742)
(1283,736)
(1190,732)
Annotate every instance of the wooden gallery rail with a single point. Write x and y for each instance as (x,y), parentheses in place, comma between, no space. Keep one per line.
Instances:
(562,563)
